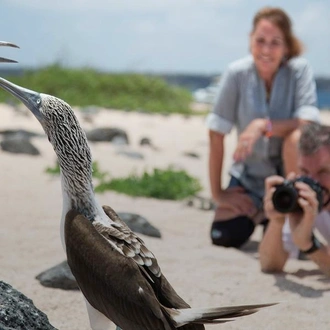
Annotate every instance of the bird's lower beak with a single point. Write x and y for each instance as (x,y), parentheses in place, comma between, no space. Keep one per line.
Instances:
(7,60)
(30,98)
(7,44)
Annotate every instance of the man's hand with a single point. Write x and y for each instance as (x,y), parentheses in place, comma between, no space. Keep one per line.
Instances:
(270,187)
(301,223)
(272,254)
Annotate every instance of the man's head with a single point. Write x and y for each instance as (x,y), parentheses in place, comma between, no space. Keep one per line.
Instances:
(314,153)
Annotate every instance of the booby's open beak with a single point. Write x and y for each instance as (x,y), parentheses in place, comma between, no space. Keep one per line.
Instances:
(31,99)
(7,44)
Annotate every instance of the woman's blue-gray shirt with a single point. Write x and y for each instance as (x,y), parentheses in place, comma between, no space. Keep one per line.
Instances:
(242,98)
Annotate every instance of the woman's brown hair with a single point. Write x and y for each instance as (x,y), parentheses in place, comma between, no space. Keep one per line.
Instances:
(281,19)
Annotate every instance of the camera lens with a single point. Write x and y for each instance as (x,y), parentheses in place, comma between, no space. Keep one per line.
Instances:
(285,199)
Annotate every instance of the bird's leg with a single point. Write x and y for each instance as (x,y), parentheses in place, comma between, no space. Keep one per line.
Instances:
(98,321)
(7,44)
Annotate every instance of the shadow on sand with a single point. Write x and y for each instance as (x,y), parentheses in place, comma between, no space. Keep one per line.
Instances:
(291,282)
(285,283)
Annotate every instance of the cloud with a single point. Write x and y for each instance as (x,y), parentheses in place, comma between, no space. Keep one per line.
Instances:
(176,35)
(128,6)
(313,28)
(313,20)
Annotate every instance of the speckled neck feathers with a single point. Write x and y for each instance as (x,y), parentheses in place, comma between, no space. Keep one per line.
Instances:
(70,144)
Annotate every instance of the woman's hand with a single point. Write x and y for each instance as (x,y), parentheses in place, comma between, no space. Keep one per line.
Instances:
(248,138)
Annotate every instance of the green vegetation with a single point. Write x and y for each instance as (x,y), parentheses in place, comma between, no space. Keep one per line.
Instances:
(162,184)
(53,170)
(96,172)
(84,87)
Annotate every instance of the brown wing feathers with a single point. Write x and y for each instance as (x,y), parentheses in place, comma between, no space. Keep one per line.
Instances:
(99,270)
(128,242)
(99,259)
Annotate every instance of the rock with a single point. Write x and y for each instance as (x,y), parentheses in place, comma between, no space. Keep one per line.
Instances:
(139,224)
(106,134)
(19,145)
(19,133)
(88,113)
(58,277)
(18,312)
(145,142)
(119,141)
(191,154)
(18,141)
(131,154)
(91,110)
(202,203)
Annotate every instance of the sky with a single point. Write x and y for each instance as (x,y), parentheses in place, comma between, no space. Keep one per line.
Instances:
(154,36)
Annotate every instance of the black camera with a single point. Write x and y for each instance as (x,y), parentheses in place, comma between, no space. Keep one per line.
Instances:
(285,197)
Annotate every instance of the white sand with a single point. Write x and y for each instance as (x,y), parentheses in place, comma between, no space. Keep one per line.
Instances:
(204,275)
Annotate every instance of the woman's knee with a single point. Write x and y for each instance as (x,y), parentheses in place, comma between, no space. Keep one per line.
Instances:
(232,233)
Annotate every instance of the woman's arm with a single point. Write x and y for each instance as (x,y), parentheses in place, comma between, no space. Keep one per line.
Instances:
(230,201)
(215,163)
(263,126)
(283,128)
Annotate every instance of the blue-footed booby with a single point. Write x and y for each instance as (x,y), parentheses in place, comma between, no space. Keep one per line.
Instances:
(118,275)
(7,44)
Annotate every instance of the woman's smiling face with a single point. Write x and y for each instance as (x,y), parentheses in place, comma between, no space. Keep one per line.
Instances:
(268,48)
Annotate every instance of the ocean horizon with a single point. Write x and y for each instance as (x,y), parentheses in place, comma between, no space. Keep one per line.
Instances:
(323,97)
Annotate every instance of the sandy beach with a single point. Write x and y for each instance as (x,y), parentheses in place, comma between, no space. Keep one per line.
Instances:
(204,275)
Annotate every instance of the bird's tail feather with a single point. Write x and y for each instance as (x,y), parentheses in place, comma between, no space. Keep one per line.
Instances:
(212,315)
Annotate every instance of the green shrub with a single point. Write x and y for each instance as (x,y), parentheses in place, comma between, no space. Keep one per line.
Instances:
(161,184)
(84,87)
(55,170)
(96,172)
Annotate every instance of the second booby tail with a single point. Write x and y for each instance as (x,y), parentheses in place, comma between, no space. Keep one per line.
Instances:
(118,275)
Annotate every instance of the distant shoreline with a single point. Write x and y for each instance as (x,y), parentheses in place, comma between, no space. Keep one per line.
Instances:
(194,81)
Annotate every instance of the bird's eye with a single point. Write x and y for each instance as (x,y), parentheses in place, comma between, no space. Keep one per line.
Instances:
(38,101)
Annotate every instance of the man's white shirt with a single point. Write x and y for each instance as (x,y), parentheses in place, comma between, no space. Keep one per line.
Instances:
(322,225)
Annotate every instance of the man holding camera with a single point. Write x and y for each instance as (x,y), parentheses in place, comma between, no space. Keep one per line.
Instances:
(294,217)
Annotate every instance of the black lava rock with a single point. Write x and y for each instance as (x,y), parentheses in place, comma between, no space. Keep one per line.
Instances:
(145,142)
(130,154)
(19,145)
(17,312)
(139,224)
(58,277)
(19,133)
(106,134)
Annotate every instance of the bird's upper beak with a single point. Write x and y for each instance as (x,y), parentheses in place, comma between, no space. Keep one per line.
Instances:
(7,44)
(30,98)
